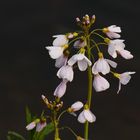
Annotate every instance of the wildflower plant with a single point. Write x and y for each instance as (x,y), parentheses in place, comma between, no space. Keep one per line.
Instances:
(89,57)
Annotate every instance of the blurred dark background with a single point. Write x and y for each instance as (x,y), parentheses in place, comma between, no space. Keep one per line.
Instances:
(27,71)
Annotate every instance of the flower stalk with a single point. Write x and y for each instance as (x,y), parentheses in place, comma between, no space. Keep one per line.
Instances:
(90,78)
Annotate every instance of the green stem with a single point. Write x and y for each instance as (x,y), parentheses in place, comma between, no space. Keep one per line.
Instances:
(95,31)
(61,114)
(86,131)
(65,127)
(55,121)
(56,131)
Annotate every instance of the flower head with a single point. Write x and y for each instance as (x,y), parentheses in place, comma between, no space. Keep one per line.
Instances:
(61,89)
(38,123)
(75,107)
(112,31)
(102,65)
(117,46)
(66,72)
(124,78)
(86,115)
(100,83)
(59,45)
(81,59)
(80,43)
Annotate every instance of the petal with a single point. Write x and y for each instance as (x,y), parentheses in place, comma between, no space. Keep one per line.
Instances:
(66,72)
(90,117)
(125,77)
(77,106)
(126,54)
(94,69)
(40,126)
(61,61)
(72,60)
(81,117)
(111,63)
(55,52)
(88,61)
(61,89)
(79,44)
(114,28)
(119,88)
(100,83)
(82,65)
(80,56)
(31,126)
(102,66)
(112,35)
(112,51)
(60,40)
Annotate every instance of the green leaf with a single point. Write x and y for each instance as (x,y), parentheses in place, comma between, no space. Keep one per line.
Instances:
(47,130)
(28,115)
(14,136)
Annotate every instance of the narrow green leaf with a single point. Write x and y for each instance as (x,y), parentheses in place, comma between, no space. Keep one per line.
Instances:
(14,136)
(28,115)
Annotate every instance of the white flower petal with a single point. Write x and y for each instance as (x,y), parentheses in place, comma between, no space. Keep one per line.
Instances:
(112,51)
(40,126)
(126,54)
(79,44)
(81,117)
(61,61)
(82,65)
(111,63)
(94,69)
(119,88)
(100,83)
(72,60)
(114,28)
(125,77)
(101,66)
(112,35)
(90,117)
(66,72)
(88,61)
(77,106)
(61,89)
(60,40)
(115,46)
(31,126)
(55,52)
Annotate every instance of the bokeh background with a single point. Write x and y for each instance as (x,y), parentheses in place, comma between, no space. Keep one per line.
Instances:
(26,70)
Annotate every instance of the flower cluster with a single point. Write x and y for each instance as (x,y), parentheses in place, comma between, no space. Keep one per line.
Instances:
(62,44)
(85,44)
